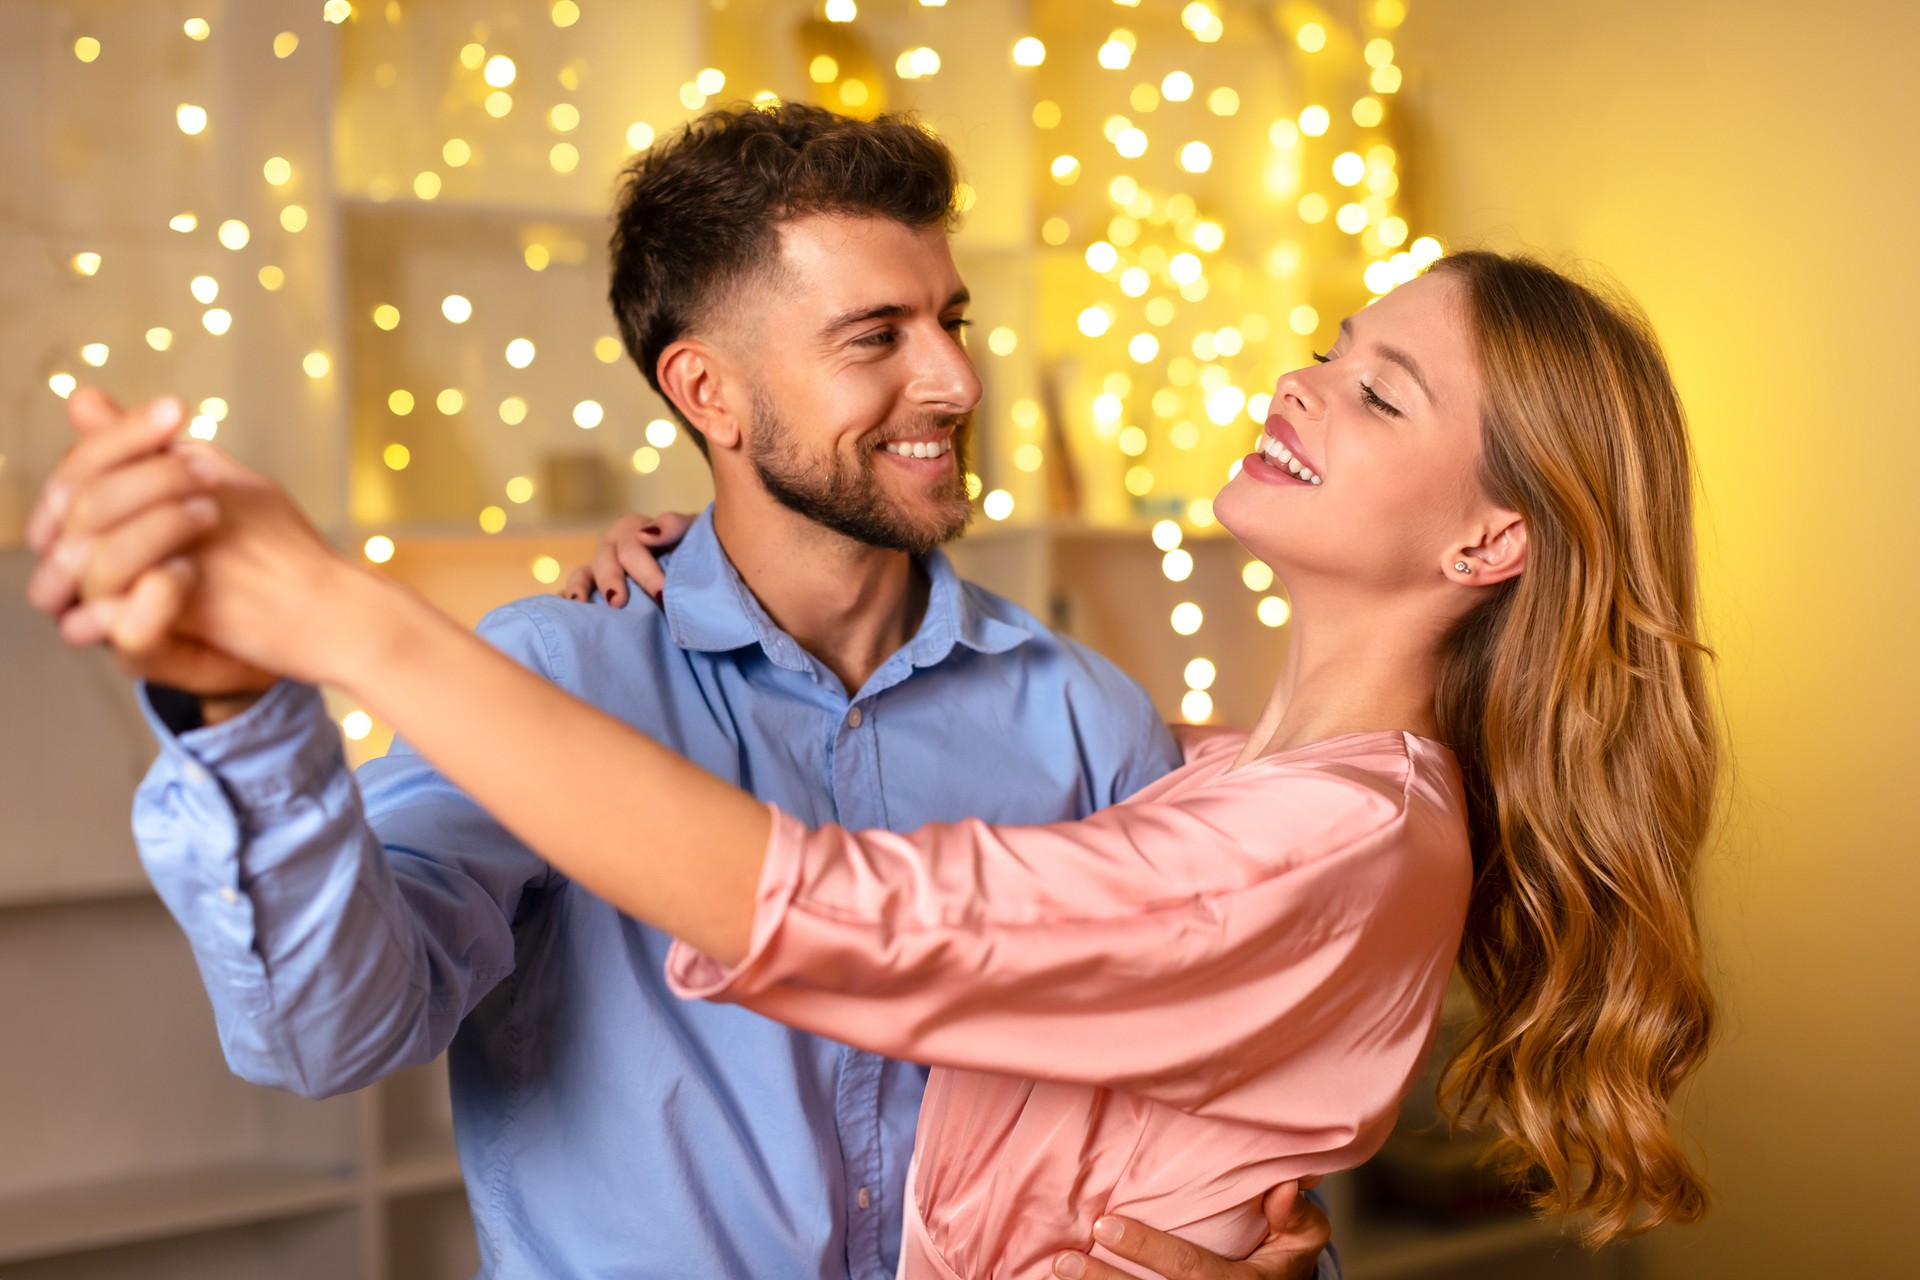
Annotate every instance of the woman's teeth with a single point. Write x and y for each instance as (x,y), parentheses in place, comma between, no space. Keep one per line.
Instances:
(1277,455)
(919,449)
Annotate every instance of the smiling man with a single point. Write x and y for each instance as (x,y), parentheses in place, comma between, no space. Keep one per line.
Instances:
(783,278)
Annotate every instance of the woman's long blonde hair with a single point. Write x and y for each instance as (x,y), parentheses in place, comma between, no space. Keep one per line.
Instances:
(1576,699)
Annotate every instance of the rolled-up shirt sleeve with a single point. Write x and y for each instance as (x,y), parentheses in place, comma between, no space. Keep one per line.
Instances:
(1176,950)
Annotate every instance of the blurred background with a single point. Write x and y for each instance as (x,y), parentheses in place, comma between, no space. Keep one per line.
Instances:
(366,241)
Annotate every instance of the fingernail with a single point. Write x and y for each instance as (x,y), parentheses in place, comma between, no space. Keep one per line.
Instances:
(1108,1230)
(166,412)
(180,567)
(1069,1266)
(202,510)
(200,464)
(104,612)
(70,554)
(59,499)
(652,531)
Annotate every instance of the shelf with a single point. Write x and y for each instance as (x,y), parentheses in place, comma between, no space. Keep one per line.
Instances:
(408,1175)
(1377,1248)
(154,1206)
(107,891)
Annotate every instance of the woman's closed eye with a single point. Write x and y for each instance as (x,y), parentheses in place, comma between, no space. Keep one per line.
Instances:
(1368,396)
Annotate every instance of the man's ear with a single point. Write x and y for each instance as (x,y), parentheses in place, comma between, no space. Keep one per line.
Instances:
(1499,553)
(702,383)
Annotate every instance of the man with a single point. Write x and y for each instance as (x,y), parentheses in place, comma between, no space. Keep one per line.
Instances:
(783,279)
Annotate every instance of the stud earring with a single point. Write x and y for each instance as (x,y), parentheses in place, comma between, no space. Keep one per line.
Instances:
(1461,566)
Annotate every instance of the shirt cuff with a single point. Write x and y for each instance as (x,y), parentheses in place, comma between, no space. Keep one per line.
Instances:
(281,748)
(693,975)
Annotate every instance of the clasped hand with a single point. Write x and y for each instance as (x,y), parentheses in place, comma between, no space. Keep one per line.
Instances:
(200,574)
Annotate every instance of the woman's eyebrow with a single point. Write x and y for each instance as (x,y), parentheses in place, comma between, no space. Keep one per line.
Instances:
(1399,357)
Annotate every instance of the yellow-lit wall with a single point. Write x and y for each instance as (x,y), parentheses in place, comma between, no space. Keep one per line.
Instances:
(1748,172)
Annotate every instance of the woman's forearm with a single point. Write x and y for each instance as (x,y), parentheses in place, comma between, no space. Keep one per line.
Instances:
(658,837)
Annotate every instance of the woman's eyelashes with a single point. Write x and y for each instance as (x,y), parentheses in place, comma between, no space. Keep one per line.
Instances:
(1368,396)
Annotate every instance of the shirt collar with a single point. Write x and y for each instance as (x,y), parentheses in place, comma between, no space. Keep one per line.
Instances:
(710,609)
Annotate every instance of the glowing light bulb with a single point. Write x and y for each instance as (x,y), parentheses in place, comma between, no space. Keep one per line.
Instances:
(63,384)
(1348,169)
(293,219)
(1143,347)
(1066,170)
(1386,79)
(205,289)
(1028,457)
(86,48)
(284,44)
(86,263)
(1102,257)
(499,71)
(646,460)
(217,321)
(1200,674)
(661,433)
(1273,611)
(588,414)
(824,69)
(1223,101)
(1177,86)
(639,135)
(271,278)
(1166,535)
(492,519)
(606,350)
(842,10)
(1002,341)
(456,308)
(234,234)
(854,93)
(1115,55)
(565,117)
(519,490)
(356,725)
(564,157)
(1196,706)
(1311,37)
(520,353)
(1095,321)
(337,11)
(513,411)
(1132,441)
(159,339)
(1132,143)
(1196,157)
(498,104)
(546,570)
(450,401)
(564,13)
(998,505)
(1177,565)
(379,548)
(316,364)
(396,456)
(1314,121)
(95,353)
(1028,52)
(1367,112)
(191,119)
(183,222)
(1187,618)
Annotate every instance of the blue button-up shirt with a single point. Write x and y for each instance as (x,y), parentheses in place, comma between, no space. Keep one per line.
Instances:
(606,1128)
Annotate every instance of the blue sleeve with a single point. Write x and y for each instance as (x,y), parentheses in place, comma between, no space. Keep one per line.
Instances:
(1134,745)
(342,930)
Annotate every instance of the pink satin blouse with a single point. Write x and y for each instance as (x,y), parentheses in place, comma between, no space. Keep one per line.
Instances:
(1226,981)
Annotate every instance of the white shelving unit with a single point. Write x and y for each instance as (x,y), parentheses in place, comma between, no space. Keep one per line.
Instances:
(130,1149)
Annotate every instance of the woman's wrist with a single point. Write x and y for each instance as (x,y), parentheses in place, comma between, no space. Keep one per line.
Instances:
(375,626)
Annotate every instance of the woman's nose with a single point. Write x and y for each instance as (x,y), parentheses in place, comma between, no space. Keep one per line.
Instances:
(1297,395)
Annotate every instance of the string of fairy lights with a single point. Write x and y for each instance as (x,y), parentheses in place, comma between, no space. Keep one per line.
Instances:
(1188,295)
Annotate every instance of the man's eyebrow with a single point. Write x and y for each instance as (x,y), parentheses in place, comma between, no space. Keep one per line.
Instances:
(885,311)
(1399,357)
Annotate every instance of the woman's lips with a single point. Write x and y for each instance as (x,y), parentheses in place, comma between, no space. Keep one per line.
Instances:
(1282,430)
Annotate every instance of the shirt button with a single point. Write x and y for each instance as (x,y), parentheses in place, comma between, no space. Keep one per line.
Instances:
(853,722)
(193,773)
(229,895)
(865,1198)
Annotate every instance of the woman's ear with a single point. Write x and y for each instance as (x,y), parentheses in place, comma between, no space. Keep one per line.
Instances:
(1499,554)
(694,377)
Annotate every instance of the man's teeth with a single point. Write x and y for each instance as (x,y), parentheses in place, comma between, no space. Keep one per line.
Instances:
(919,448)
(1278,455)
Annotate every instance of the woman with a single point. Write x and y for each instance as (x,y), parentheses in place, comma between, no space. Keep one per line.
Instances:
(1492,712)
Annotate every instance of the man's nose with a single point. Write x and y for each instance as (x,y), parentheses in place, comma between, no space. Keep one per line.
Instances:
(945,378)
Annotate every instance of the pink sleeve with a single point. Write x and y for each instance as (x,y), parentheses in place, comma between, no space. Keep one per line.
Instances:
(1173,950)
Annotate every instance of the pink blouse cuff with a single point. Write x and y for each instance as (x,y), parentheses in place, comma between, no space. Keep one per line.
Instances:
(693,975)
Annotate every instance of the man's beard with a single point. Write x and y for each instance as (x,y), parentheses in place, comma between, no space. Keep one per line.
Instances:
(846,496)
